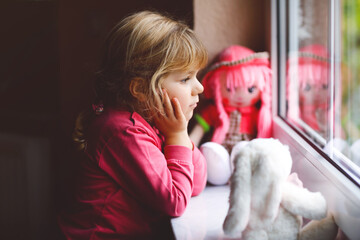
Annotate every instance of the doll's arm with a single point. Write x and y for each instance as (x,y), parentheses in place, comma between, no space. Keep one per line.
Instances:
(197,134)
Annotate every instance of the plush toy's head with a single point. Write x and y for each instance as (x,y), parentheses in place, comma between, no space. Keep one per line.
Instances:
(260,167)
(262,200)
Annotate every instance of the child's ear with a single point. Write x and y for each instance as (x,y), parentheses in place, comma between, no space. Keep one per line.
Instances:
(137,88)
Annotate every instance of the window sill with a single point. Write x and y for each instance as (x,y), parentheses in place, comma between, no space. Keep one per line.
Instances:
(319,175)
(204,215)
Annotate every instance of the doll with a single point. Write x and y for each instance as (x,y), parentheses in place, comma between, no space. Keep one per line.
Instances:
(239,85)
(308,87)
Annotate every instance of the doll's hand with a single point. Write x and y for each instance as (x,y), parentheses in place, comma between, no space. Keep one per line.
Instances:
(172,123)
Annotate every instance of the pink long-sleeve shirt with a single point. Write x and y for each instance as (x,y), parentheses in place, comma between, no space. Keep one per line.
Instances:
(131,184)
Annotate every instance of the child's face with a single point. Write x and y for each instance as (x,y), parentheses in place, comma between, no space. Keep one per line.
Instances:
(186,88)
(240,96)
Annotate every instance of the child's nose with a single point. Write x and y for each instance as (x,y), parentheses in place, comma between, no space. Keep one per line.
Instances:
(198,88)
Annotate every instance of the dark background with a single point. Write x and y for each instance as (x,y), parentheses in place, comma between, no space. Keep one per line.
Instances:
(49,52)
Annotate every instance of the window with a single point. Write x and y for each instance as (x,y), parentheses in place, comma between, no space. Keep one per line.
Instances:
(318,94)
(316,63)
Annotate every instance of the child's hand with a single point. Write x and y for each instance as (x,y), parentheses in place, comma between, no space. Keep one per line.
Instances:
(172,124)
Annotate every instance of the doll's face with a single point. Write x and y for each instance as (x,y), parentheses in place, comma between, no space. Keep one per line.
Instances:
(240,96)
(313,94)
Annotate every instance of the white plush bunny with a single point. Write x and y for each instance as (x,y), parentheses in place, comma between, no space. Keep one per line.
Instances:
(265,204)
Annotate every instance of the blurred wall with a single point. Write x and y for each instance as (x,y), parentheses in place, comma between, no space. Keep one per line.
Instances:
(29,117)
(223,23)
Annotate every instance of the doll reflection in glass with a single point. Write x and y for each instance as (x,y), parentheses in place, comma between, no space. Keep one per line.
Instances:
(239,87)
(308,87)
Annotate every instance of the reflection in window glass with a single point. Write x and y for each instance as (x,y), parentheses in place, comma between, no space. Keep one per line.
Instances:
(308,88)
(322,87)
(308,68)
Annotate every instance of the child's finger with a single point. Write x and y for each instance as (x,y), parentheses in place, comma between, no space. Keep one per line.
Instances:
(177,109)
(168,109)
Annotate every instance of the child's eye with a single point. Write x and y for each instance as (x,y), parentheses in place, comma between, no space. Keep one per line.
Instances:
(185,80)
(251,89)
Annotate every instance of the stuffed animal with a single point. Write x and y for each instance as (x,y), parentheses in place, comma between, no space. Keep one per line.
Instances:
(238,87)
(268,203)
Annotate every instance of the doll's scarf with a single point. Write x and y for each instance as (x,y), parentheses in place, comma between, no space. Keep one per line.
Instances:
(249,118)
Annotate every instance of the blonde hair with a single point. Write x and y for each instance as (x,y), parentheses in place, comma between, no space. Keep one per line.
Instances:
(147,46)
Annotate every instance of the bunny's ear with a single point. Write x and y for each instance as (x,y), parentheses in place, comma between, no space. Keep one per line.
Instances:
(240,196)
(267,181)
(272,204)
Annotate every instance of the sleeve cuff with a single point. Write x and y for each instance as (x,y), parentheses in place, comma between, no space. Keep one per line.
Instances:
(180,153)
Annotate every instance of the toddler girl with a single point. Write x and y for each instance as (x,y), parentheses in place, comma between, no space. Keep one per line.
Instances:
(140,167)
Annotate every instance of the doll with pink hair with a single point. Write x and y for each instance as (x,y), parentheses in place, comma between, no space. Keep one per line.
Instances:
(239,87)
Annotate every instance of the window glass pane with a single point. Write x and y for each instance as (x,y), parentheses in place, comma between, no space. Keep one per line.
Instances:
(350,72)
(308,67)
(320,90)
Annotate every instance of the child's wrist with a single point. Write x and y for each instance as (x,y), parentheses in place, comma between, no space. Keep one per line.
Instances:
(181,139)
